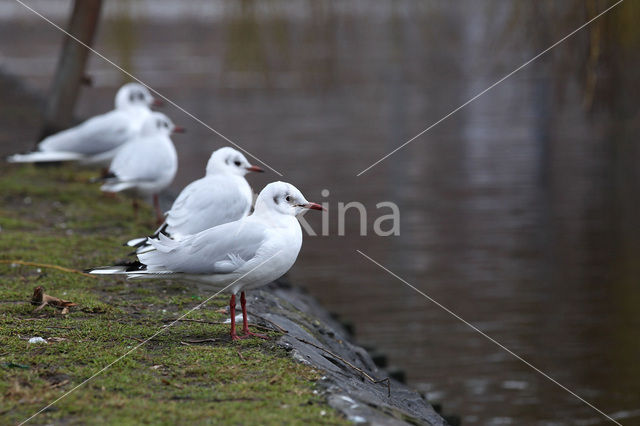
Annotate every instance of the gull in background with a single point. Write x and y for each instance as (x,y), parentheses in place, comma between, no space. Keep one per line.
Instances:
(147,164)
(96,140)
(222,195)
(235,256)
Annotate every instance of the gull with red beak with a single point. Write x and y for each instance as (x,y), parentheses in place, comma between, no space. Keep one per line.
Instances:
(233,257)
(222,195)
(97,140)
(146,165)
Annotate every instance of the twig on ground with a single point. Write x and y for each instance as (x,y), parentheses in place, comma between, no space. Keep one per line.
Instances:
(62,383)
(192,320)
(47,265)
(235,399)
(280,329)
(201,340)
(275,378)
(359,370)
(168,383)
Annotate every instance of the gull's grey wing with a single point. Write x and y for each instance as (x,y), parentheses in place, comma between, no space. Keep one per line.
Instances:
(96,135)
(218,250)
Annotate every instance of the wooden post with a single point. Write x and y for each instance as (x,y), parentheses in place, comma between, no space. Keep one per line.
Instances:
(58,112)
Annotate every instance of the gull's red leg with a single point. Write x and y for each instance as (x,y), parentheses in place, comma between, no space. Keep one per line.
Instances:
(232,313)
(245,324)
(159,213)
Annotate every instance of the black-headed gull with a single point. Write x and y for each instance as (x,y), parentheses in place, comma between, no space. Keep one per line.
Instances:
(147,164)
(96,140)
(233,257)
(222,196)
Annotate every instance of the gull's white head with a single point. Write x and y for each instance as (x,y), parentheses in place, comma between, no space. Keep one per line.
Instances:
(134,94)
(283,198)
(159,124)
(230,161)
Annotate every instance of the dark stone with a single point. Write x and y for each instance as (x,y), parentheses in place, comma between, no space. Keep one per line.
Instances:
(316,338)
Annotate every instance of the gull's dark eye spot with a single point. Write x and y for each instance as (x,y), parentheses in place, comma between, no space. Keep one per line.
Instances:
(237,163)
(132,97)
(288,198)
(276,200)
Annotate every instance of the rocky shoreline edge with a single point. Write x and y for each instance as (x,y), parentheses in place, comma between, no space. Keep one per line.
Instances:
(351,381)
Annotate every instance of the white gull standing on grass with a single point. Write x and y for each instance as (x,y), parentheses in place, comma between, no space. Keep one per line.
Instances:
(146,165)
(232,257)
(96,140)
(222,195)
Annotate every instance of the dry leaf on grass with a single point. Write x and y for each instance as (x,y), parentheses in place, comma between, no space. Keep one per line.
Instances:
(59,384)
(41,299)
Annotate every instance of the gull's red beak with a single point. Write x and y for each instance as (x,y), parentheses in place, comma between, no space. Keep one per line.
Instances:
(255,169)
(157,102)
(313,206)
(178,129)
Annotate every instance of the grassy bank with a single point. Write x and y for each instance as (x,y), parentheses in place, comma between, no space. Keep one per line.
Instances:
(53,216)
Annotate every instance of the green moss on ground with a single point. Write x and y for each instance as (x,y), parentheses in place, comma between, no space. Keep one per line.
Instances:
(53,216)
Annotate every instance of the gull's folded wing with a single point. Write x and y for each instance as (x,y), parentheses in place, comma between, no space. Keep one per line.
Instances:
(219,250)
(94,136)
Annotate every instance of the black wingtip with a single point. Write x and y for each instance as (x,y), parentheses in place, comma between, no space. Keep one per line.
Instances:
(136,245)
(141,243)
(137,266)
(162,230)
(132,265)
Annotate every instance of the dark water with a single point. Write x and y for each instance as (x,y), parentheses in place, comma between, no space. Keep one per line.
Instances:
(519,213)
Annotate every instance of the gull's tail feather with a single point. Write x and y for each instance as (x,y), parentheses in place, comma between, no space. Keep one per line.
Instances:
(106,270)
(136,242)
(44,157)
(153,274)
(144,249)
(123,268)
(142,244)
(132,270)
